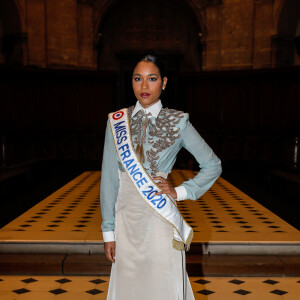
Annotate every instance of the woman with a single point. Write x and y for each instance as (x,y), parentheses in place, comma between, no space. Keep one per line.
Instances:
(137,239)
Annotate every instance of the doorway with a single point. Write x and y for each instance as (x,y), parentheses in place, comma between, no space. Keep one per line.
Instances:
(133,28)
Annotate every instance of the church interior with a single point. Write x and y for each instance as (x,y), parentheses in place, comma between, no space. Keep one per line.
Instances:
(231,64)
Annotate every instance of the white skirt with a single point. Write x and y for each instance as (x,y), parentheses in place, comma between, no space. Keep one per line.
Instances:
(146,266)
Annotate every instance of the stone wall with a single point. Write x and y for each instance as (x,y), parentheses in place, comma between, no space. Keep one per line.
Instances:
(231,34)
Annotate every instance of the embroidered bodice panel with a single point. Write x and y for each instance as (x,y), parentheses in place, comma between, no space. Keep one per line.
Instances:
(163,138)
(156,135)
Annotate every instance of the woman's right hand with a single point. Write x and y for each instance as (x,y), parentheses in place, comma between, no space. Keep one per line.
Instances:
(110,248)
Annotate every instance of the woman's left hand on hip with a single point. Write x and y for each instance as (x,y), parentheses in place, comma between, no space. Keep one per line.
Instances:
(165,186)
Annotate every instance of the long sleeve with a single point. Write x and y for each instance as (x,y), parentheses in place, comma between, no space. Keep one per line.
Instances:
(209,163)
(109,186)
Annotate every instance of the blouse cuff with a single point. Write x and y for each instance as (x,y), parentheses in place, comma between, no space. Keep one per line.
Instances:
(181,192)
(108,236)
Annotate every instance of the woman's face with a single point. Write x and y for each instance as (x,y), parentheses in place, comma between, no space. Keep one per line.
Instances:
(147,83)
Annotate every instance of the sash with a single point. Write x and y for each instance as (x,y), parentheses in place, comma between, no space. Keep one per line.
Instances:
(162,204)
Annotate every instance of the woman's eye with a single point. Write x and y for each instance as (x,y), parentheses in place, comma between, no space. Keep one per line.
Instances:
(136,79)
(153,79)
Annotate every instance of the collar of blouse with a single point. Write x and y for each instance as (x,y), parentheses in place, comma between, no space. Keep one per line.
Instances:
(153,109)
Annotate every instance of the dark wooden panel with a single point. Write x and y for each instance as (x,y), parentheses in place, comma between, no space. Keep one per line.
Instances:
(55,100)
(256,101)
(82,264)
(31,264)
(233,265)
(248,115)
(56,114)
(291,264)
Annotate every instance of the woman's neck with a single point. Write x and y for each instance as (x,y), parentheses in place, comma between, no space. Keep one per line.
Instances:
(147,106)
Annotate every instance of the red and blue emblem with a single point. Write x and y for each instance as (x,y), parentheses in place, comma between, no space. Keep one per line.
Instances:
(118,115)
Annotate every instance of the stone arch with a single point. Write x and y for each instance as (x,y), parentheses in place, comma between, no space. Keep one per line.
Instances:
(198,8)
(12,35)
(287,16)
(103,8)
(107,9)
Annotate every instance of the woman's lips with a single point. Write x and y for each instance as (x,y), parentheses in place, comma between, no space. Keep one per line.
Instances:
(144,95)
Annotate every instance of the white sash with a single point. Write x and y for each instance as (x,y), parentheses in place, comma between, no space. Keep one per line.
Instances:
(162,204)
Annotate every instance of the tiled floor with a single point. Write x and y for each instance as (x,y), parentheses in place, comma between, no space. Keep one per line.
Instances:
(224,214)
(70,214)
(88,287)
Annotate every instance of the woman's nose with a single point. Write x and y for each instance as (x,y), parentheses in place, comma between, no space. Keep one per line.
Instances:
(145,84)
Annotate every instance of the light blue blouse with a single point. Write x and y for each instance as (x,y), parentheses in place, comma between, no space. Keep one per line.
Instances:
(162,138)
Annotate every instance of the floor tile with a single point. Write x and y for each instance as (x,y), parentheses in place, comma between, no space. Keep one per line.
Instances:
(223,214)
(212,288)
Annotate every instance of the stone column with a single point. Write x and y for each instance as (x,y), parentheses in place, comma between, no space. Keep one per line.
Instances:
(61,33)
(237,34)
(85,12)
(262,32)
(212,45)
(36,33)
(229,41)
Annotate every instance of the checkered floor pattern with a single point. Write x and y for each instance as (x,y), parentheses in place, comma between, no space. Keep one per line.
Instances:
(224,213)
(91,287)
